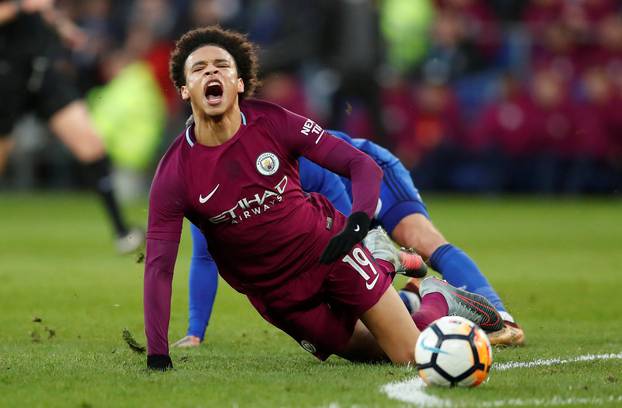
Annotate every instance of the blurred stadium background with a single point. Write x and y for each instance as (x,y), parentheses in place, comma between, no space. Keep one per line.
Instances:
(474,96)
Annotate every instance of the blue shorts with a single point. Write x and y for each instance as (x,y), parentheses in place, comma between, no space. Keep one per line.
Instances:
(398,197)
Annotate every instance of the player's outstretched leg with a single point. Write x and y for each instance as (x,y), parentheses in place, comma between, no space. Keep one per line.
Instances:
(511,334)
(405,262)
(464,304)
(457,268)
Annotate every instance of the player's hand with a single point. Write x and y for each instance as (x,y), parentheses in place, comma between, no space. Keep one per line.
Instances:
(159,362)
(352,234)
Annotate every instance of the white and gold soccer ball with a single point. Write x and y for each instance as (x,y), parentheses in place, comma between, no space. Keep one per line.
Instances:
(453,351)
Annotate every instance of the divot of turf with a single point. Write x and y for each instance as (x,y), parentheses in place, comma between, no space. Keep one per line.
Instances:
(132,343)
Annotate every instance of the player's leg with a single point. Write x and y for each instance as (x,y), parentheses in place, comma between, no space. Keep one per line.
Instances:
(73,126)
(457,268)
(455,265)
(361,286)
(461,303)
(394,331)
(386,332)
(405,216)
(363,347)
(321,309)
(203,284)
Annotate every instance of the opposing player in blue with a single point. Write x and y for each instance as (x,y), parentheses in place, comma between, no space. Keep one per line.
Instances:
(400,211)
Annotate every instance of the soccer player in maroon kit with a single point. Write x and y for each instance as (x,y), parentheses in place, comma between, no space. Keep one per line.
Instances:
(234,174)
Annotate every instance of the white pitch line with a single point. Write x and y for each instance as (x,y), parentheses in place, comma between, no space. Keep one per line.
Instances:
(413,390)
(554,361)
(554,401)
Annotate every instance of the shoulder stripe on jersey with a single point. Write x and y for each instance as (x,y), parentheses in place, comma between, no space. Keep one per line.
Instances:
(188,136)
(318,138)
(243,118)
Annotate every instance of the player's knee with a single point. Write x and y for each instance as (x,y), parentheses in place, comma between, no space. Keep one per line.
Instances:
(416,231)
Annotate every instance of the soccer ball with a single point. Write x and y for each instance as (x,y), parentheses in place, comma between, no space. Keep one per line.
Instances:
(453,351)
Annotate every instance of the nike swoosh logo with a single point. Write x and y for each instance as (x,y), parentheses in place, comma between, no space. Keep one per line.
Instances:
(357,228)
(203,200)
(370,286)
(433,349)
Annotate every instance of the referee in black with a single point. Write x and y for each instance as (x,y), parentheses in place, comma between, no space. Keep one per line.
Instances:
(30,81)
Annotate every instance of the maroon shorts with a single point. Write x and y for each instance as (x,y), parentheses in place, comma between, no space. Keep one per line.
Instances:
(320,307)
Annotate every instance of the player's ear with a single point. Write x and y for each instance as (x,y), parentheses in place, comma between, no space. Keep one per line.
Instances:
(185,93)
(240,85)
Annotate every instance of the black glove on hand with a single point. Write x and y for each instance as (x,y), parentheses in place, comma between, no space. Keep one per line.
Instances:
(352,234)
(159,362)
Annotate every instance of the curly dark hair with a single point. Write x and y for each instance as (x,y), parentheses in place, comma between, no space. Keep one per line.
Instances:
(243,51)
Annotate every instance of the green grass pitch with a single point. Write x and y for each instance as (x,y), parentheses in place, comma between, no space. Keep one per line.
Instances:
(557,264)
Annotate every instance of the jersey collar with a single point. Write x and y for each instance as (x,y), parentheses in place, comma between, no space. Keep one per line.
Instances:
(188,129)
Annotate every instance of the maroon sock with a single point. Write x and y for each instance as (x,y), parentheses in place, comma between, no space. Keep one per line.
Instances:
(433,306)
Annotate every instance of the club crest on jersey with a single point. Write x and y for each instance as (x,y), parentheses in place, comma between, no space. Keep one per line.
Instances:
(267,163)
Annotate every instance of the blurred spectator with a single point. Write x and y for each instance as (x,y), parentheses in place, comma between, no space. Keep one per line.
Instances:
(529,134)
(353,50)
(540,13)
(433,136)
(566,32)
(590,168)
(285,90)
(479,24)
(608,54)
(464,38)
(199,13)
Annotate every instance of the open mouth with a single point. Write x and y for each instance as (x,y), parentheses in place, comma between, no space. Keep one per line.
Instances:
(213,92)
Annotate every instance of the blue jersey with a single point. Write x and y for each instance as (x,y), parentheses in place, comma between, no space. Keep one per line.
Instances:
(314,178)
(398,195)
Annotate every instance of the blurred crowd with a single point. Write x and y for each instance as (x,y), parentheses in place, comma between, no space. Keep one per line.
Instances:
(472,95)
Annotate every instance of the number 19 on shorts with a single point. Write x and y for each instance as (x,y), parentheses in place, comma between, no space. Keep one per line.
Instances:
(358,261)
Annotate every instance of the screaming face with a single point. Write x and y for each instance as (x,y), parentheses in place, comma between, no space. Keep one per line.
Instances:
(212,82)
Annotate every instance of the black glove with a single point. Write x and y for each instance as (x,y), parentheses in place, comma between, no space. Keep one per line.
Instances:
(352,234)
(159,362)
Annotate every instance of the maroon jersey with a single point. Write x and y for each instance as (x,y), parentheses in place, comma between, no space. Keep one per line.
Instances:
(245,196)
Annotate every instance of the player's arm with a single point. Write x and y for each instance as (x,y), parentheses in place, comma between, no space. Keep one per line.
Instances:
(163,232)
(314,178)
(303,137)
